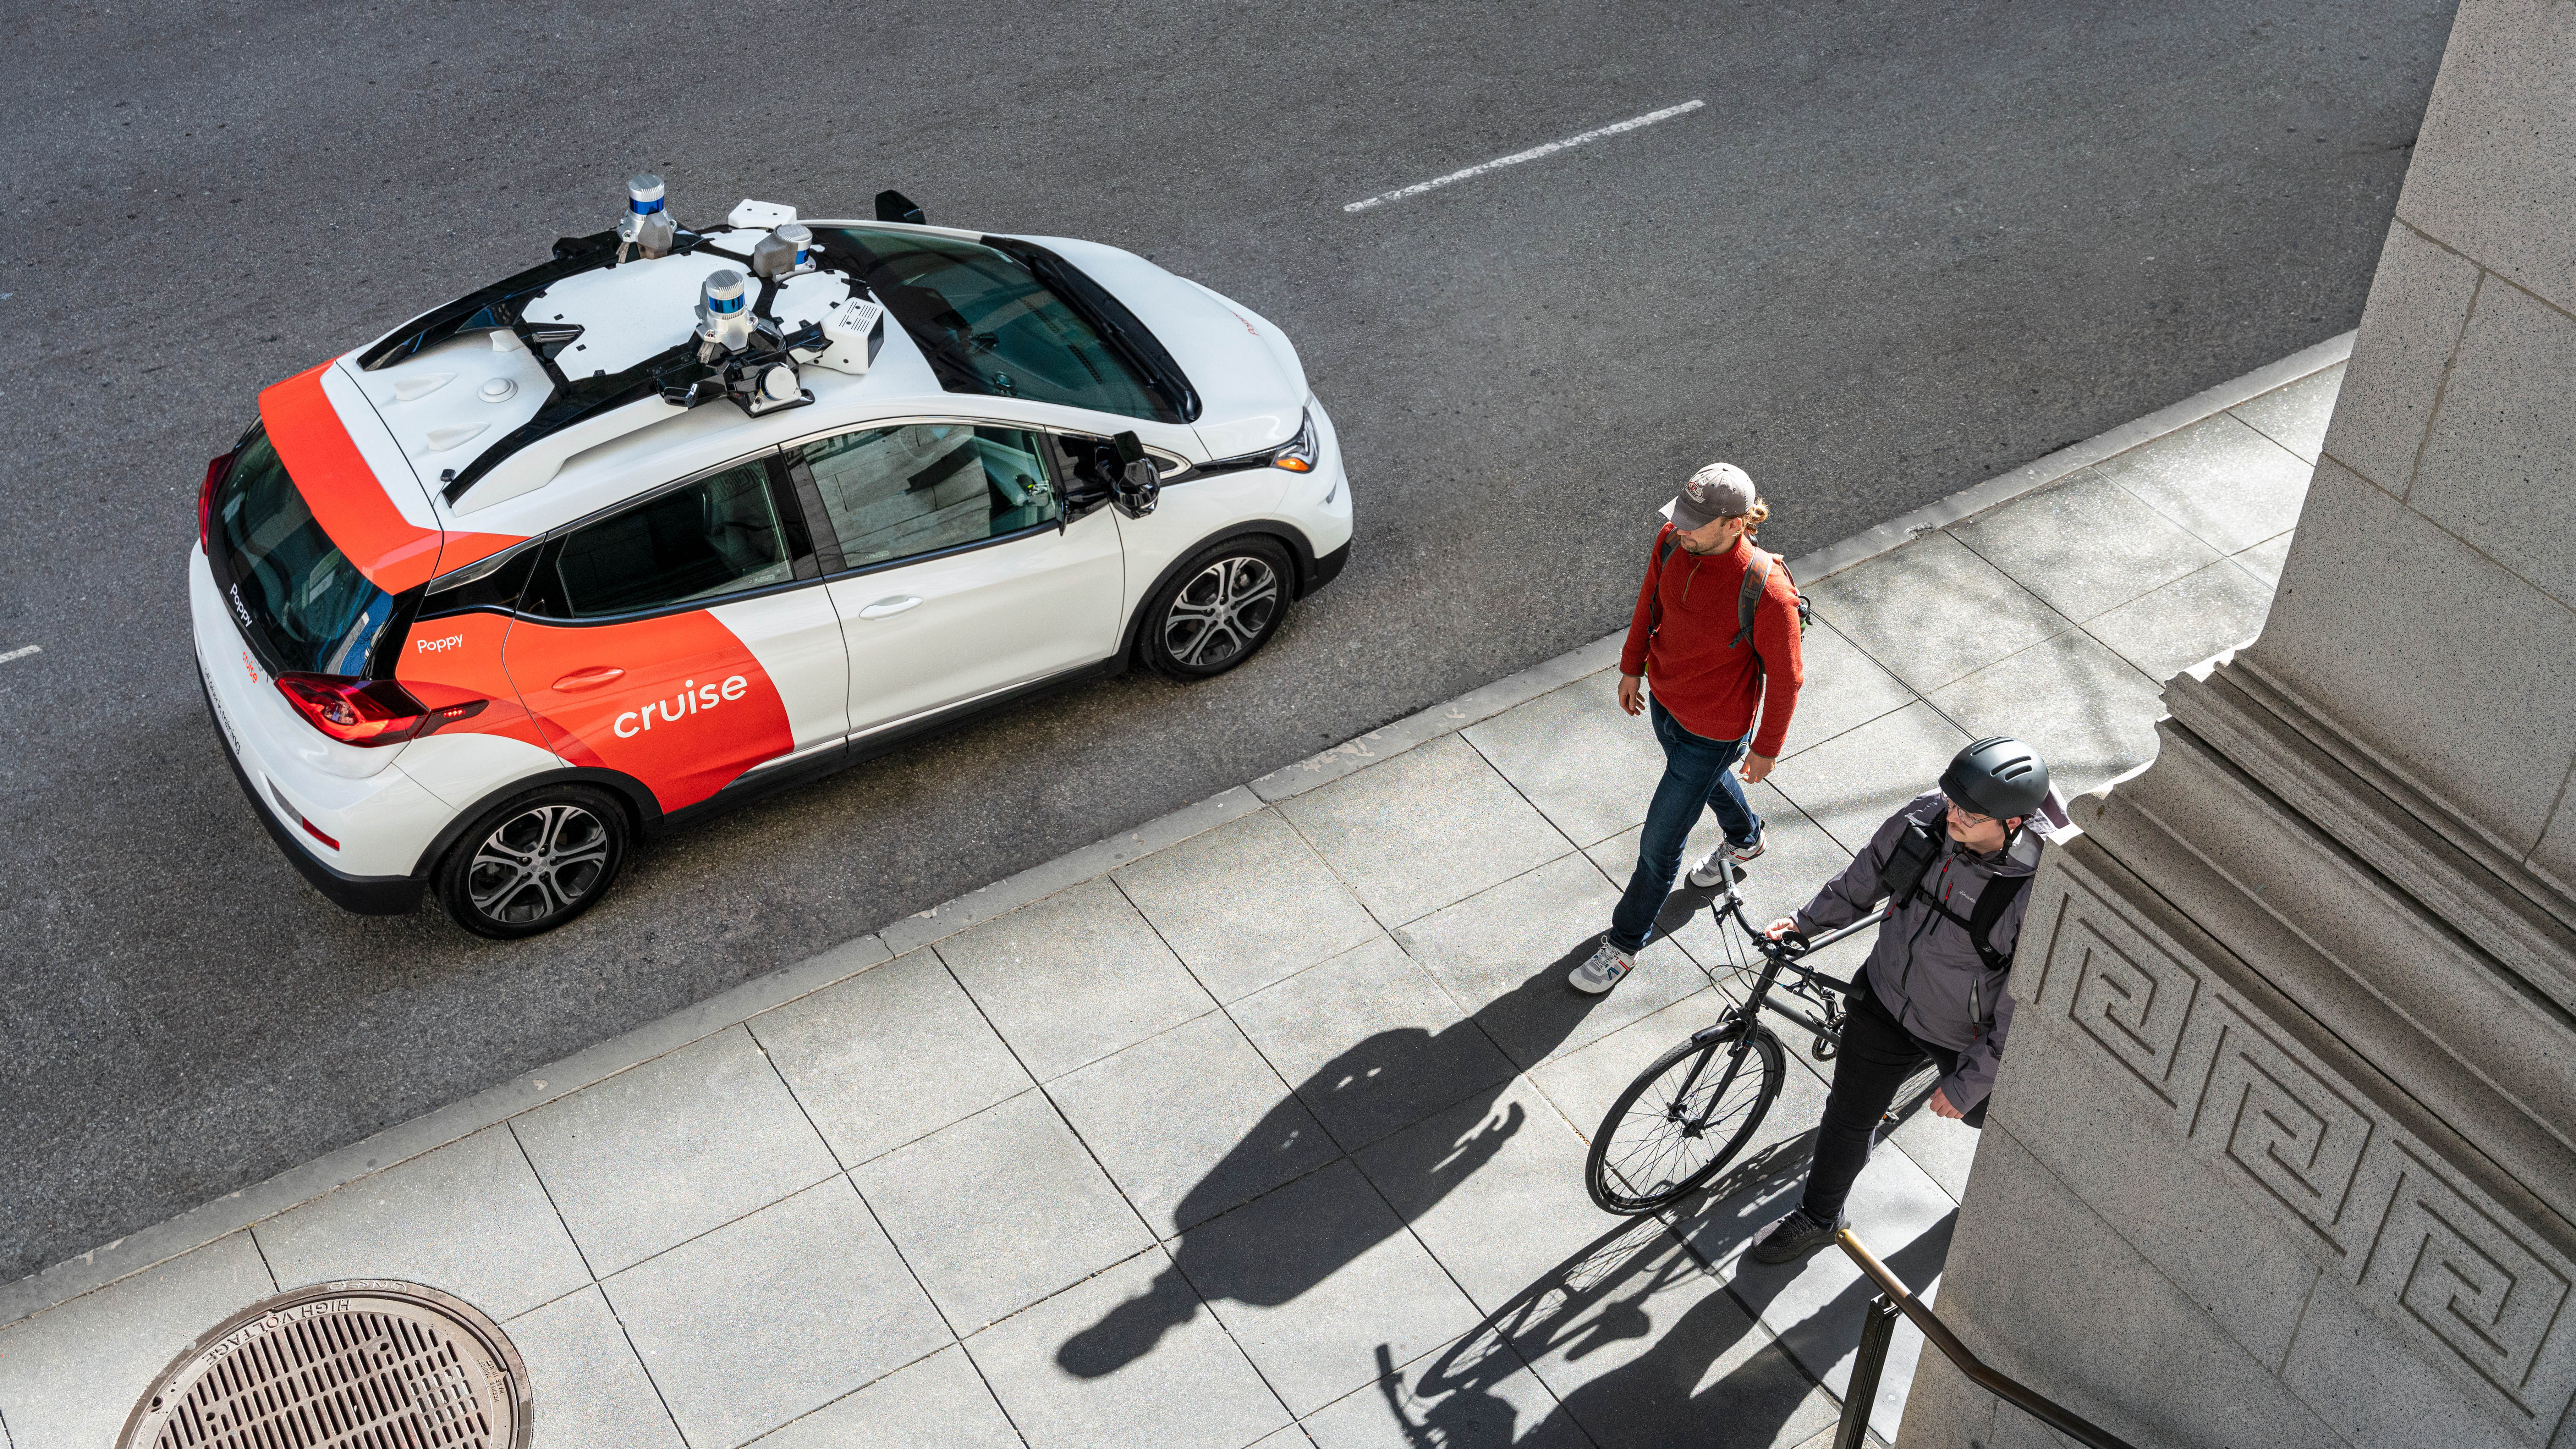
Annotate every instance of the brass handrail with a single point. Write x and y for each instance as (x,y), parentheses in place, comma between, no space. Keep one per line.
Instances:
(1938,1334)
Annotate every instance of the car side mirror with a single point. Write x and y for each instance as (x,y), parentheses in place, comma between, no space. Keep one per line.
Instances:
(895,206)
(1139,484)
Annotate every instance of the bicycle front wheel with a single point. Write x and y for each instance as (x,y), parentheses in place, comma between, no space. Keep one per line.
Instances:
(1684,1117)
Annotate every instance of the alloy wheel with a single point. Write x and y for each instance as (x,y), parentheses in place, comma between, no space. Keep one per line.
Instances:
(541,862)
(1222,612)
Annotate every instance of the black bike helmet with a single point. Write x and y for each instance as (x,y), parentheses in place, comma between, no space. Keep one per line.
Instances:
(1998,776)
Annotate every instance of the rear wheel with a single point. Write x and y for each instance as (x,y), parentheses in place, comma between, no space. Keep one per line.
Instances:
(1221,607)
(1684,1117)
(534,863)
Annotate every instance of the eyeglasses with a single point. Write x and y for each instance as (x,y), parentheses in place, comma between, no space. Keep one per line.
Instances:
(1966,815)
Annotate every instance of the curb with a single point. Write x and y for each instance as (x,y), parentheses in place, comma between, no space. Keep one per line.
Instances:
(148,1247)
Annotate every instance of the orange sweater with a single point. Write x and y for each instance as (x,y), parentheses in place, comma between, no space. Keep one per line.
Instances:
(1712,690)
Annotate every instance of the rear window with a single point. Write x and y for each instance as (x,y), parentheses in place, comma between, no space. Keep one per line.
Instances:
(990,324)
(310,607)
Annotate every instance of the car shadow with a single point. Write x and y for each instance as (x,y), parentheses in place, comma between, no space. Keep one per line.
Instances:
(1364,1097)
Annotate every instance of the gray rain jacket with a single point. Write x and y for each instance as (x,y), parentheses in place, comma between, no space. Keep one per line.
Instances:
(1924,968)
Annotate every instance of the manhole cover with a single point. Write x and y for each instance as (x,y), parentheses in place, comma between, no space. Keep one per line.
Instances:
(357,1364)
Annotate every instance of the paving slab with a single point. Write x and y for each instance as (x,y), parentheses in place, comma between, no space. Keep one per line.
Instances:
(1433,825)
(1493,1188)
(70,1375)
(2090,714)
(2264,559)
(1370,1043)
(1282,909)
(1180,1384)
(1588,767)
(1313,1279)
(889,1056)
(1475,1393)
(774,1315)
(1933,611)
(940,1402)
(589,1387)
(1583,1083)
(1192,1122)
(1844,689)
(1815,1305)
(1850,785)
(2295,416)
(2084,546)
(469,1219)
(2177,626)
(675,1147)
(2229,485)
(1000,1210)
(1504,954)
(1073,978)
(1643,1345)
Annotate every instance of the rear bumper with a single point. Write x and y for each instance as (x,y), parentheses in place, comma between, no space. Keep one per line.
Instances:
(366,895)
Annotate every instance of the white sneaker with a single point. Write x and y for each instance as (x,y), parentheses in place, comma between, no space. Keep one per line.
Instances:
(1608,967)
(1712,870)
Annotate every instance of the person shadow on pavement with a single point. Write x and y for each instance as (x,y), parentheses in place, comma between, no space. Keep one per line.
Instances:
(1364,1098)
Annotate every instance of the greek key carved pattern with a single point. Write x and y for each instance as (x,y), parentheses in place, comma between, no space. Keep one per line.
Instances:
(2297,1138)
(2468,1279)
(2134,1010)
(2442,1266)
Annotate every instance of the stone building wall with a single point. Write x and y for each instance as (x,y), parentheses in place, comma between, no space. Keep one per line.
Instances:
(2283,1151)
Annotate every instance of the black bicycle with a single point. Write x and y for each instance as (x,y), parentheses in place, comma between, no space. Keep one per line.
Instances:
(1689,1113)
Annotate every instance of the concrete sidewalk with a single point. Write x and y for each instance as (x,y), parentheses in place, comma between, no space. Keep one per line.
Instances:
(1265,1124)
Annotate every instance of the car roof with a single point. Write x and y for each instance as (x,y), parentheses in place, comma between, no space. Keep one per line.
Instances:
(452,395)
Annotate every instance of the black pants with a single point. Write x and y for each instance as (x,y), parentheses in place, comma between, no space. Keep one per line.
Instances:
(1878,1054)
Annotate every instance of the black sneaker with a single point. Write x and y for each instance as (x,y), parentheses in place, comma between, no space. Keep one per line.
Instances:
(1791,1238)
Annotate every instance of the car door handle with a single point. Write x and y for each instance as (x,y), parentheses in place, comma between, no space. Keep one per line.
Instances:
(888,608)
(590,678)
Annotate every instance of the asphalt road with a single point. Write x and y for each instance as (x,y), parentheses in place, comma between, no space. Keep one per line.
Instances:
(1902,248)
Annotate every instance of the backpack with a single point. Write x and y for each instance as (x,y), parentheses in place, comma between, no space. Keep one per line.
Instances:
(1903,875)
(1747,596)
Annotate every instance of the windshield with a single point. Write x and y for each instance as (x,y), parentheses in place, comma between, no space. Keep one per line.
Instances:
(309,605)
(990,324)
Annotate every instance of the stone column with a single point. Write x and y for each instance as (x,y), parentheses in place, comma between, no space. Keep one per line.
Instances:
(2283,1151)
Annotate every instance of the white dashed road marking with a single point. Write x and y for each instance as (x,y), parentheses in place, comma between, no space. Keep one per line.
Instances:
(1532,154)
(22,653)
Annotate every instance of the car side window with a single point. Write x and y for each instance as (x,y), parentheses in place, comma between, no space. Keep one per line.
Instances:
(719,535)
(894,493)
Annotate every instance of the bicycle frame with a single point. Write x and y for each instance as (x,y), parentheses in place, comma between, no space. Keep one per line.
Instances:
(1776,957)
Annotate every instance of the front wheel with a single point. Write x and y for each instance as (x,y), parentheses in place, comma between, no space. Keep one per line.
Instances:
(1684,1117)
(1221,607)
(534,863)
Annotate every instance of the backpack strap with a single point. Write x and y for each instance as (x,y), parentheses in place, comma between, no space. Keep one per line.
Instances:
(1748,596)
(1996,899)
(1664,545)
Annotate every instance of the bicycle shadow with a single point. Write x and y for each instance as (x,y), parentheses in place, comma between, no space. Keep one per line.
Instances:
(1637,1283)
(1364,1097)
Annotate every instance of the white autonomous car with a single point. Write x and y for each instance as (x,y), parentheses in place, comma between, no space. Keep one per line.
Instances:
(677,517)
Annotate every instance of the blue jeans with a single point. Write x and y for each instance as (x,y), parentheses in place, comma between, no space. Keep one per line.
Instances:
(1695,774)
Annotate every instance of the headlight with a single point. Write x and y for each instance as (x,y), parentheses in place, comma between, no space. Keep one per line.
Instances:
(1299,455)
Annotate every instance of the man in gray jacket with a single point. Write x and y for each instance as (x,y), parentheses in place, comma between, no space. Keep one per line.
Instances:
(1934,987)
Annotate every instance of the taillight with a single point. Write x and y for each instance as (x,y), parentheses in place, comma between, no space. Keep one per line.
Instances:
(355,711)
(217,469)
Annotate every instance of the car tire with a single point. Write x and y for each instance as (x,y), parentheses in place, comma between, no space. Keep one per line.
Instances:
(1218,609)
(534,862)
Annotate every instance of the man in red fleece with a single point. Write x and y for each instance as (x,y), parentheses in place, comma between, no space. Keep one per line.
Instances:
(1710,678)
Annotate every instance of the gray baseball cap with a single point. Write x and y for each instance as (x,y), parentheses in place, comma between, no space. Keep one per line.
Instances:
(1720,490)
